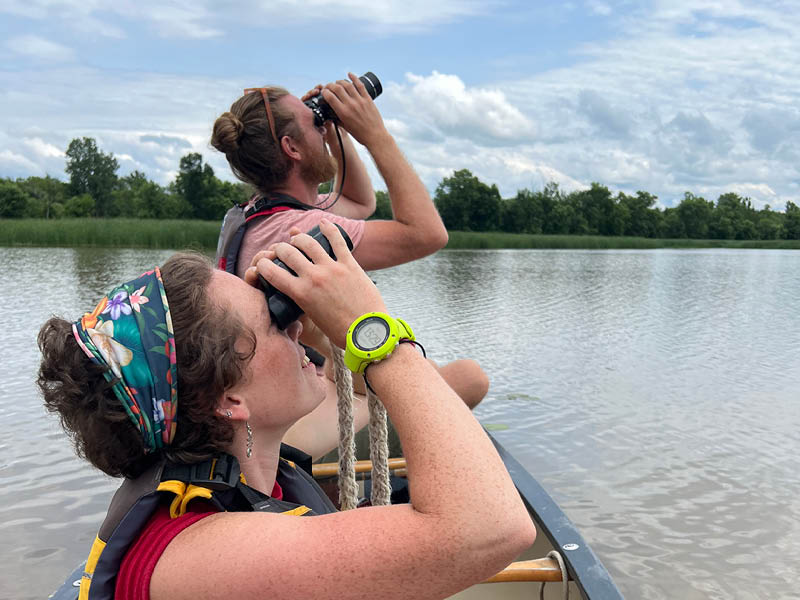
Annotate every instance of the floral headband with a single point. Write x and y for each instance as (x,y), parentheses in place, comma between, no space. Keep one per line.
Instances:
(130,333)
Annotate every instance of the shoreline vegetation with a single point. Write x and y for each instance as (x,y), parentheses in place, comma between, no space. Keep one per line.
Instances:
(178,234)
(133,211)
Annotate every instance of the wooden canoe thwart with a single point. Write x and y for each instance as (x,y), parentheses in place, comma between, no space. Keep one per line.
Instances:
(362,466)
(540,569)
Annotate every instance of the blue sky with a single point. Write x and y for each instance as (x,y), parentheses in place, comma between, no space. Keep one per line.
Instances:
(666,97)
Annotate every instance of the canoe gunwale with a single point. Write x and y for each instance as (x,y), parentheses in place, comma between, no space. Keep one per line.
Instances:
(583,565)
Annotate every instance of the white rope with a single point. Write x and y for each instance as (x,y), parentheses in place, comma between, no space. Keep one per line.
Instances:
(379,451)
(348,489)
(564,576)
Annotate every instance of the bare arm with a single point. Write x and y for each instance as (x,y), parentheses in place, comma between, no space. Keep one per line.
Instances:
(416,230)
(466,520)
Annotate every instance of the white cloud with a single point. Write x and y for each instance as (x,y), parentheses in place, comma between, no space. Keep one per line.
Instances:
(446,104)
(698,96)
(42,148)
(599,8)
(202,19)
(37,47)
(11,162)
(385,15)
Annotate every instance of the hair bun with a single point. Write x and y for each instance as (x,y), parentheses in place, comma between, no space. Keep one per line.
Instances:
(228,131)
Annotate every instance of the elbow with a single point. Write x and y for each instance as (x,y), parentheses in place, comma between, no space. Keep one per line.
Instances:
(516,539)
(435,240)
(497,547)
(442,237)
(524,535)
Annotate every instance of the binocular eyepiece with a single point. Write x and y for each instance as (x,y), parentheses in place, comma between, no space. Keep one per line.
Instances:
(322,110)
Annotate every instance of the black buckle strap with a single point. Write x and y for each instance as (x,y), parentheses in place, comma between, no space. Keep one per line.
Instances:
(224,476)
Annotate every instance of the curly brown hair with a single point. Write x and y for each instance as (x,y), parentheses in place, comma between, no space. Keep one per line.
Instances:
(213,348)
(243,135)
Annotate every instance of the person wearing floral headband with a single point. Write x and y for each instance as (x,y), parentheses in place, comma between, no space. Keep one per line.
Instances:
(179,382)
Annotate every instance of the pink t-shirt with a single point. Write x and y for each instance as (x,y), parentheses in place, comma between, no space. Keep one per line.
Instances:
(275,228)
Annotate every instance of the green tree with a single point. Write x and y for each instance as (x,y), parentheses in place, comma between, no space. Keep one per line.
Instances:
(466,203)
(769,224)
(642,218)
(82,205)
(733,218)
(671,224)
(44,193)
(383,206)
(602,215)
(141,198)
(92,172)
(13,200)
(791,223)
(524,213)
(695,213)
(207,197)
(549,199)
(571,213)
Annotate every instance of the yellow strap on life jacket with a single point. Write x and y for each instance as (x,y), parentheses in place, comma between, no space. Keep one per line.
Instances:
(192,492)
(297,512)
(183,495)
(179,489)
(91,563)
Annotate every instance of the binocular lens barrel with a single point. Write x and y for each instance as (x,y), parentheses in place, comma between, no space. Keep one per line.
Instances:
(323,112)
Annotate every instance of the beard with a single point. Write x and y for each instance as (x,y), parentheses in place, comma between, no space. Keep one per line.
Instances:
(320,166)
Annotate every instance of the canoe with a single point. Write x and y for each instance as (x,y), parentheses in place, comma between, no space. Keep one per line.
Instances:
(575,566)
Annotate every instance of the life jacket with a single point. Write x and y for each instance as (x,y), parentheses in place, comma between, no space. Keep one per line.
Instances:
(218,481)
(239,218)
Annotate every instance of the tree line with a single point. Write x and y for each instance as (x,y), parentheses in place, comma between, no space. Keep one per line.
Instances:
(95,189)
(465,203)
(468,204)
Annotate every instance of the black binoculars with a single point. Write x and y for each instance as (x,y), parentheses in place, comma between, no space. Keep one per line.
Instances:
(322,110)
(282,309)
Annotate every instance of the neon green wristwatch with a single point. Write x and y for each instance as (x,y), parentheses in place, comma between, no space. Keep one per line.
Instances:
(373,337)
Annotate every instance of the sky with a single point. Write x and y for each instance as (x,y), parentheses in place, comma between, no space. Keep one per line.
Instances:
(661,96)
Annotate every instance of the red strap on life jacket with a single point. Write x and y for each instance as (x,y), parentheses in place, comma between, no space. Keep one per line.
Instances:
(269,211)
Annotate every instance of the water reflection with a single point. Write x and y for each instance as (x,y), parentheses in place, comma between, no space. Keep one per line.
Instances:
(654,393)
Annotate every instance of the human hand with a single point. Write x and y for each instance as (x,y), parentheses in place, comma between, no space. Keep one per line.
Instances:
(333,293)
(312,92)
(356,110)
(330,132)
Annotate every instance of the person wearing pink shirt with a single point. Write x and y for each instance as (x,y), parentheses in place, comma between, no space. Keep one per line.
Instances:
(271,141)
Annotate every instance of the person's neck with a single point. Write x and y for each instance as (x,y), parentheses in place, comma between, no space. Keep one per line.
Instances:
(303,191)
(261,467)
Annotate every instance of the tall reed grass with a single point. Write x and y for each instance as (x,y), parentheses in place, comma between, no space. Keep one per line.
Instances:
(202,235)
(497,240)
(109,233)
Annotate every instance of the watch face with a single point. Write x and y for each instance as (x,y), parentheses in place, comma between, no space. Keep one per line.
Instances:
(371,334)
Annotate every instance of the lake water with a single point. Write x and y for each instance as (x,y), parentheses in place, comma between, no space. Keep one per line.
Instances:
(653,393)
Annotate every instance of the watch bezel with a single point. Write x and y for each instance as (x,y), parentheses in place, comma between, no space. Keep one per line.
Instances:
(366,322)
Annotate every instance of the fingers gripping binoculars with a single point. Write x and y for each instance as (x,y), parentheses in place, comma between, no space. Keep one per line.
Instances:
(282,309)
(322,110)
